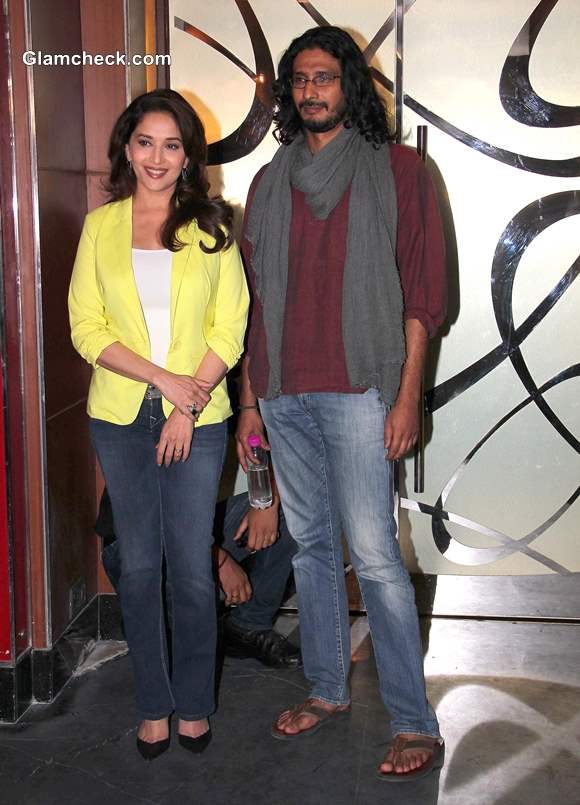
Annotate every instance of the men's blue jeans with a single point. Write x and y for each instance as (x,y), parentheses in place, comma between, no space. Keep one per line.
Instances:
(329,459)
(167,510)
(268,570)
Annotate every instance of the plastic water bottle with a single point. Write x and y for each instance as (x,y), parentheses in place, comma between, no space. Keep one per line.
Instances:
(259,486)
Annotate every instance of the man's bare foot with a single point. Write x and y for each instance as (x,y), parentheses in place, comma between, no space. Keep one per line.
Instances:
(300,718)
(401,760)
(193,729)
(153,731)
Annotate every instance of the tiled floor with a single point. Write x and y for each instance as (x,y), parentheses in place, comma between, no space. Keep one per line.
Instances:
(507,694)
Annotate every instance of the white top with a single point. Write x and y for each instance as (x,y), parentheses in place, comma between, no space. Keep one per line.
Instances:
(152,270)
(241,482)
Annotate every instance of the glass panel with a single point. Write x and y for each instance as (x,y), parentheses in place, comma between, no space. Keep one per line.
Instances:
(502,464)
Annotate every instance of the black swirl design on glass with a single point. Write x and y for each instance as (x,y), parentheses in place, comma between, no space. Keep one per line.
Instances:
(309,8)
(256,124)
(456,551)
(515,89)
(378,38)
(546,167)
(384,31)
(515,239)
(535,218)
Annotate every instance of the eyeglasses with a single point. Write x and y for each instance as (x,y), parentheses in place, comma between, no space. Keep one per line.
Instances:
(319,80)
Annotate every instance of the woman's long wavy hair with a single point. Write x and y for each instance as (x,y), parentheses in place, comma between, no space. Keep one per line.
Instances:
(190,199)
(364,107)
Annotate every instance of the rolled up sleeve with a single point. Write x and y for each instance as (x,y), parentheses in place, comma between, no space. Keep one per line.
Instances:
(89,331)
(420,242)
(226,334)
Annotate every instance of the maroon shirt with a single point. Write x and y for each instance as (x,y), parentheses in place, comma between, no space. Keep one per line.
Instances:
(313,357)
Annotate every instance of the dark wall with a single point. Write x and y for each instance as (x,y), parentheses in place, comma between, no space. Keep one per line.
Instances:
(62,194)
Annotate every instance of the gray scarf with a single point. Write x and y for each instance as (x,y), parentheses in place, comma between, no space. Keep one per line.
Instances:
(372,305)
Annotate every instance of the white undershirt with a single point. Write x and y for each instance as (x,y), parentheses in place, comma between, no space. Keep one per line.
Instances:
(152,270)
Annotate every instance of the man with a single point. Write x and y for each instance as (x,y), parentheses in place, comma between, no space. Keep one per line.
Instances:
(343,246)
(253,555)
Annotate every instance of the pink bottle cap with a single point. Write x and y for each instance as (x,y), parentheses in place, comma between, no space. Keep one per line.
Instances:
(254,440)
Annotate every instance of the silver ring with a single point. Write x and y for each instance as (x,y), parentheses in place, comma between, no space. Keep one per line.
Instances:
(193,408)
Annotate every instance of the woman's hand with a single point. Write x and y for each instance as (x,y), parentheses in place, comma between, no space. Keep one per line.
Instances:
(262,526)
(233,580)
(249,422)
(182,391)
(175,440)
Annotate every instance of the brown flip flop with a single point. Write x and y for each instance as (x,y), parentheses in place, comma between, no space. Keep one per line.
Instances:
(308,708)
(434,761)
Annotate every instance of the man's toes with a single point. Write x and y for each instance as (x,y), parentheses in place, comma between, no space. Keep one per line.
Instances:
(421,759)
(289,726)
(284,719)
(407,764)
(387,764)
(284,723)
(403,763)
(412,762)
(302,723)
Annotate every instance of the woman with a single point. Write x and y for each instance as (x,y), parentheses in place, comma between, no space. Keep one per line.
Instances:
(158,305)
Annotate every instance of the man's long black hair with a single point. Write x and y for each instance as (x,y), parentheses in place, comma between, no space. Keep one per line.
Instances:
(364,108)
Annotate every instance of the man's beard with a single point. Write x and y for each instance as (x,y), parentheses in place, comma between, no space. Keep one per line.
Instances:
(331,122)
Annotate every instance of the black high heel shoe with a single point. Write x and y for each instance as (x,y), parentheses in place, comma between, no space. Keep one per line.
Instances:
(195,745)
(150,751)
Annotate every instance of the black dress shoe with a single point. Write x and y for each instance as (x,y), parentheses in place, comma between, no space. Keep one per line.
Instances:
(269,647)
(150,751)
(195,745)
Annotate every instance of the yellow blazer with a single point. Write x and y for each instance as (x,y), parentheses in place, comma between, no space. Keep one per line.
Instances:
(209,307)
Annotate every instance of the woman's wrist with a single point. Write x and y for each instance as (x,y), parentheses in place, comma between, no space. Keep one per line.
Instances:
(158,375)
(206,385)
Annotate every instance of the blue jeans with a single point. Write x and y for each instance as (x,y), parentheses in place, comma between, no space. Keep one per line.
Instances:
(165,510)
(268,570)
(329,459)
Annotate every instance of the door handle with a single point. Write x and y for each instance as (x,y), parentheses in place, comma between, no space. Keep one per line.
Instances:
(419,455)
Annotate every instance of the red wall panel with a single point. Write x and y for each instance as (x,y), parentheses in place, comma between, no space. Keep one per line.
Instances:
(5,604)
